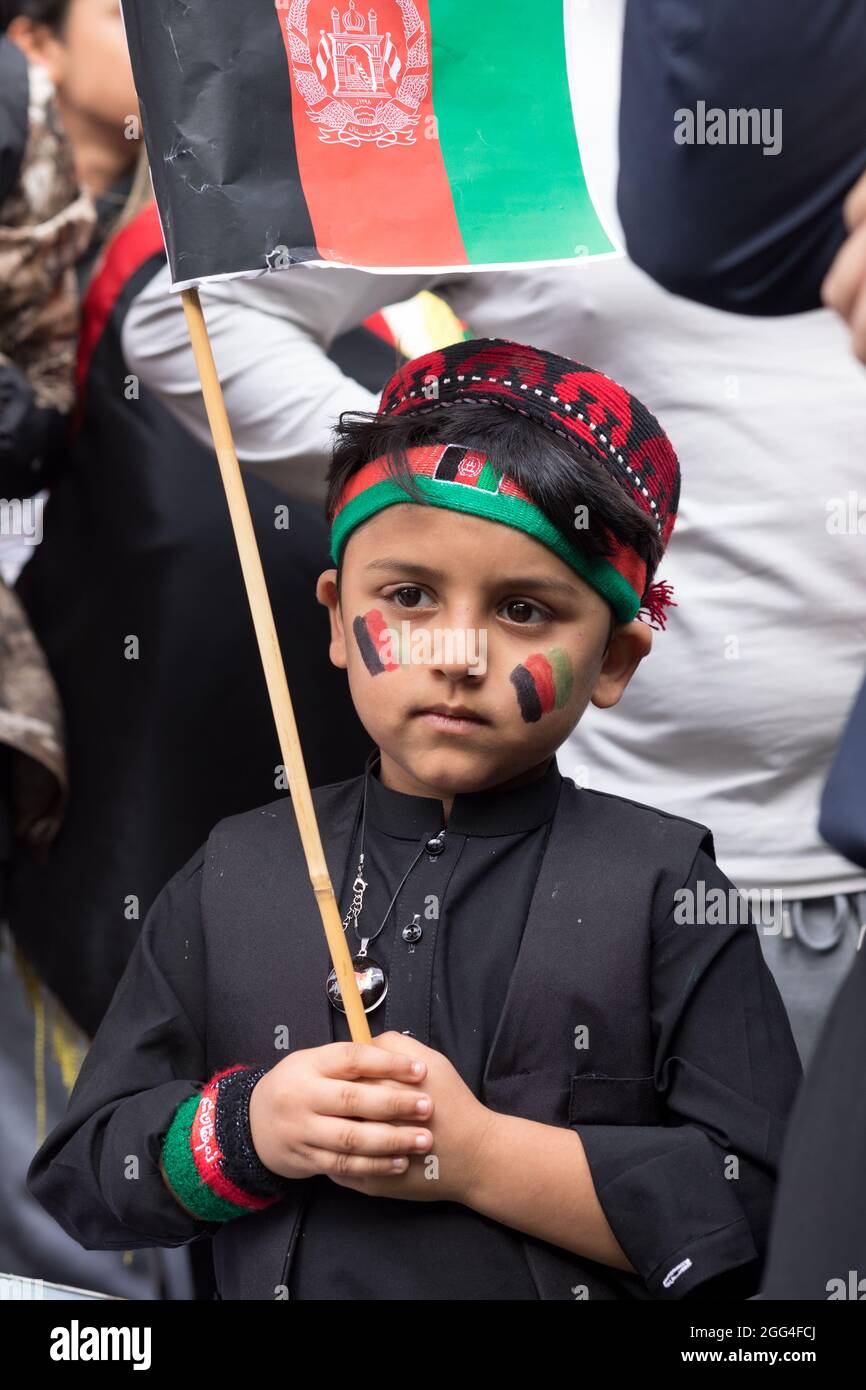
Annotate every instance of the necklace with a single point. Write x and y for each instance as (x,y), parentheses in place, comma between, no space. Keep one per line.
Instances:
(370,976)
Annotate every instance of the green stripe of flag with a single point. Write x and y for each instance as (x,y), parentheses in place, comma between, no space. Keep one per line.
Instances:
(488,478)
(502,101)
(562,676)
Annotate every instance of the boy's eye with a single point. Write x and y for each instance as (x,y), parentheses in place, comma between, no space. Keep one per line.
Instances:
(517,609)
(408,595)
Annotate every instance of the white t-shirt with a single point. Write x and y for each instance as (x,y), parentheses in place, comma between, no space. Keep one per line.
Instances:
(734,717)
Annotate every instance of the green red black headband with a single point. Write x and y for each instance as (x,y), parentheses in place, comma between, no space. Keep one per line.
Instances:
(603,420)
(449,475)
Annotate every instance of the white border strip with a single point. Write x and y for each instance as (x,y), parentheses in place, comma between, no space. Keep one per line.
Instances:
(400,269)
(593,50)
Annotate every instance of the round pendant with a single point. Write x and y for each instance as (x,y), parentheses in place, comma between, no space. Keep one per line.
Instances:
(371,980)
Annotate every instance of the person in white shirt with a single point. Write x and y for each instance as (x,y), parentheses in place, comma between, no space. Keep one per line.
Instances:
(768,576)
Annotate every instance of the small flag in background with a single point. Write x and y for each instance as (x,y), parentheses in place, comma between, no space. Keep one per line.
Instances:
(384,134)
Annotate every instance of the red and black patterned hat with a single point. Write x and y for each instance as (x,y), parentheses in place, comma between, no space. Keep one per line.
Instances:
(595,414)
(604,420)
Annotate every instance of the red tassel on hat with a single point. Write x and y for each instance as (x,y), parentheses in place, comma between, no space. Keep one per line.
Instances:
(658,599)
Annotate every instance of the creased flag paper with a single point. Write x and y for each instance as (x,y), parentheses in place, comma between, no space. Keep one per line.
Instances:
(390,135)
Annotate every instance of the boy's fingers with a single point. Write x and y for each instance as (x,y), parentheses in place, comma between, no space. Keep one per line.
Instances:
(393,1041)
(366,1137)
(373,1101)
(356,1165)
(355,1060)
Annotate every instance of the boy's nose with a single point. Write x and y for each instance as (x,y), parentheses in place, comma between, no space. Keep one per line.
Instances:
(460,651)
(456,670)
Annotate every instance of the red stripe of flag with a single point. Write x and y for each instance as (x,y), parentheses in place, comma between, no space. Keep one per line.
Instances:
(538,667)
(423,459)
(370,204)
(379,633)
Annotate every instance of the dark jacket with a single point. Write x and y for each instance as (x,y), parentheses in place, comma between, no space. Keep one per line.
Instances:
(817,1247)
(692,1055)
(726,224)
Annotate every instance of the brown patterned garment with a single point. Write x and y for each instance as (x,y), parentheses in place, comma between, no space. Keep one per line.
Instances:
(45,225)
(31,723)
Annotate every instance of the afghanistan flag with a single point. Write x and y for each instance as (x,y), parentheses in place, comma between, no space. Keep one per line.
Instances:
(383,134)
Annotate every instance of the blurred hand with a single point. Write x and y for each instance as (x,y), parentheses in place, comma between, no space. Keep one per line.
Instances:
(844,287)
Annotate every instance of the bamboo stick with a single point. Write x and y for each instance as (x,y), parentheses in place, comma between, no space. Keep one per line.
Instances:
(275,675)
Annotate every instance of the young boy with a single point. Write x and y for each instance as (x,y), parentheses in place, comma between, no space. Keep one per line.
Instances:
(576,1089)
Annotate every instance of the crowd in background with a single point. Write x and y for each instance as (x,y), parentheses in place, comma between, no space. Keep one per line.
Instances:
(112,772)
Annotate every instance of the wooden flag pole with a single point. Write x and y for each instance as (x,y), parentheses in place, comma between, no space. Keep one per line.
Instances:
(275,675)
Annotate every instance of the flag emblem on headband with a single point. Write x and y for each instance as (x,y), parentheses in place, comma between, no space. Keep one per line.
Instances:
(469,467)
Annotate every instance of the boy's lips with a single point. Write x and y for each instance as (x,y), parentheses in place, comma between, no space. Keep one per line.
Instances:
(456,718)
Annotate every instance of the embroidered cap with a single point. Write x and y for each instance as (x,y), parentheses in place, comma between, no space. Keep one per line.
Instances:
(602,419)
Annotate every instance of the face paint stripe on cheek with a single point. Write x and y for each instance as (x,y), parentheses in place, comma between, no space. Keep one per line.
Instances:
(543,682)
(538,667)
(370,633)
(527,695)
(563,677)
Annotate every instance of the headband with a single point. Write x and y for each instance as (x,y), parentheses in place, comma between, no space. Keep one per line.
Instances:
(595,414)
(465,480)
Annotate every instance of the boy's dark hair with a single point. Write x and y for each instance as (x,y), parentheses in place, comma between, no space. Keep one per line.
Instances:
(552,471)
(50,12)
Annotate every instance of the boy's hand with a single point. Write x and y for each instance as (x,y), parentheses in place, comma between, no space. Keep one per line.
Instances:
(460,1126)
(344,1108)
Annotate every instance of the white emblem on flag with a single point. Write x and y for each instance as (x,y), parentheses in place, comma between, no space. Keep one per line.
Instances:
(356,97)
(471,465)
(392,59)
(324,57)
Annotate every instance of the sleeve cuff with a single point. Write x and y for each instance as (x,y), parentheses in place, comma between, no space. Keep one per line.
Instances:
(208,1156)
(667,1201)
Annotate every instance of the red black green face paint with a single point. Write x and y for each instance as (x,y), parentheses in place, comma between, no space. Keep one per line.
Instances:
(372,634)
(543,682)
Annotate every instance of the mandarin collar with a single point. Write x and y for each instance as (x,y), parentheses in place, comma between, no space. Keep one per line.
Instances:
(473,813)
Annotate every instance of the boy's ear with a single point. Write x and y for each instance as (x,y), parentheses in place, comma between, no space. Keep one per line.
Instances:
(628,646)
(326,593)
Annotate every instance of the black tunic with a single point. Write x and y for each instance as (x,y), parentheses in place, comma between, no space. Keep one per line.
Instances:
(447,990)
(680,1100)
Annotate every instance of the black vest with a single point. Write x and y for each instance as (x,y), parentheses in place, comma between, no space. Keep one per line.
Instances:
(607,880)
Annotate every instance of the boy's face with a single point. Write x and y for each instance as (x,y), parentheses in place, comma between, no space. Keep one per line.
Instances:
(441,610)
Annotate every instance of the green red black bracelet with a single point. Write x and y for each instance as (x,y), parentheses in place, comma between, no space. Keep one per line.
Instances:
(208,1156)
